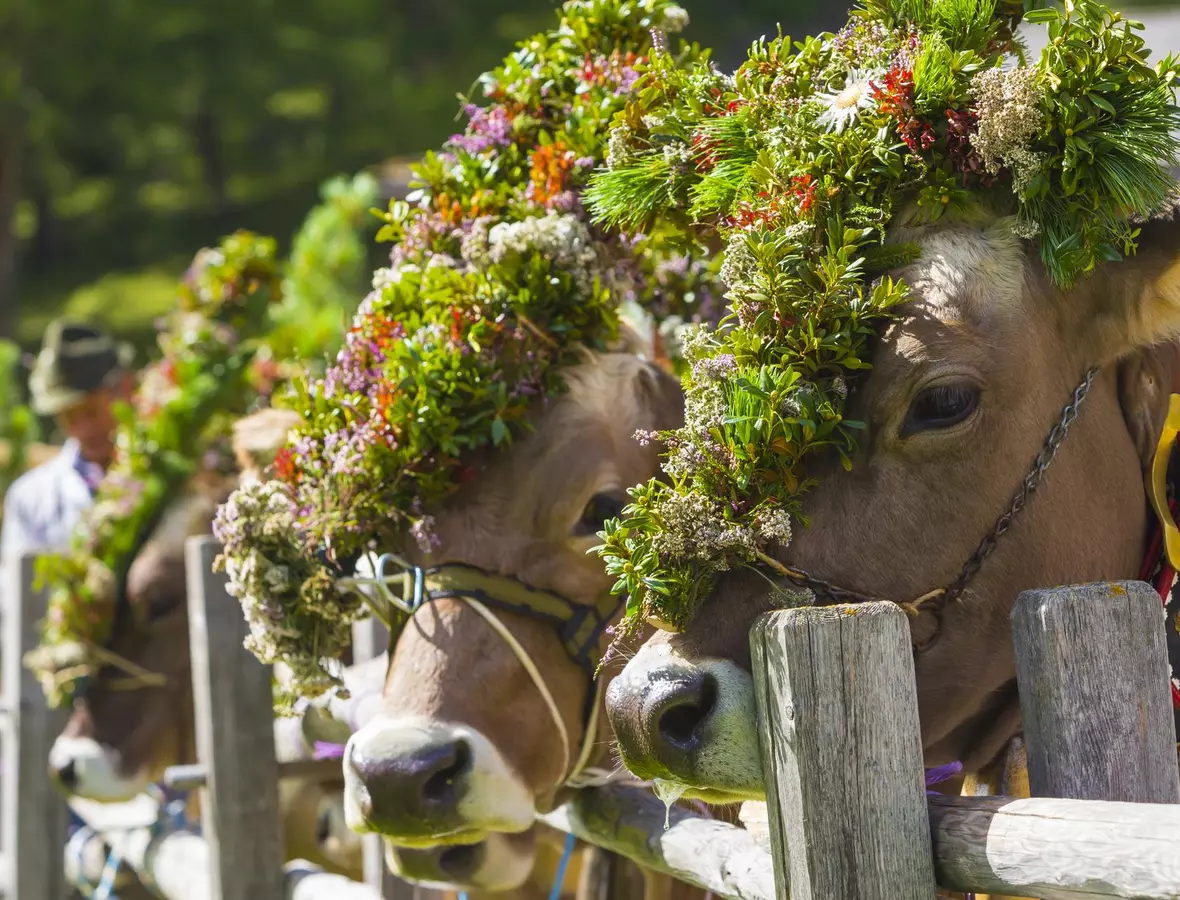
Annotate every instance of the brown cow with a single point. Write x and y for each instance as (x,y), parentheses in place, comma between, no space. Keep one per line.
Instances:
(965,387)
(465,743)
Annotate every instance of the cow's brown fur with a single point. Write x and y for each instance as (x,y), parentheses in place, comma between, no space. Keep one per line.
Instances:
(913,509)
(520,517)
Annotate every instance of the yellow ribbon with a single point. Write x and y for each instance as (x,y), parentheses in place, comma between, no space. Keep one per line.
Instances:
(1157,485)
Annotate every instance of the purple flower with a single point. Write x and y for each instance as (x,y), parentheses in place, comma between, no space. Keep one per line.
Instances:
(487,127)
(423,532)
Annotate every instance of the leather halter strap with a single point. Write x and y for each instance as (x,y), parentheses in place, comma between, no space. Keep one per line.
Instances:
(579,627)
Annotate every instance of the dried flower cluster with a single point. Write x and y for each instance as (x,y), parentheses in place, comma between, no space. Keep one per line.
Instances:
(287,599)
(177,425)
(1008,116)
(801,161)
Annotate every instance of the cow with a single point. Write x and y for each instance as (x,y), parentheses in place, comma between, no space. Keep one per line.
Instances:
(468,742)
(969,384)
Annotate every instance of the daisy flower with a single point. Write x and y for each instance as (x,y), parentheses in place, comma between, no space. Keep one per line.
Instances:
(843,106)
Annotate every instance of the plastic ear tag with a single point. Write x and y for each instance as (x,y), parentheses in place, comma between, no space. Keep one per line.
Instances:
(1157,487)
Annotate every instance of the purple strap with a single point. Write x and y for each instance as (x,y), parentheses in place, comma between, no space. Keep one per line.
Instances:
(939,774)
(328,750)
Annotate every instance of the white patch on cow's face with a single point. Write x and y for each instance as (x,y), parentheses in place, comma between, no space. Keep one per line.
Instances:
(726,767)
(340,845)
(505,864)
(85,768)
(489,795)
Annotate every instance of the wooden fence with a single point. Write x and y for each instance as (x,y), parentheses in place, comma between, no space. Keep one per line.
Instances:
(844,769)
(841,752)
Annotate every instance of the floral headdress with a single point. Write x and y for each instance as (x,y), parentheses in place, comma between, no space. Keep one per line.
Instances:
(497,279)
(801,161)
(176,426)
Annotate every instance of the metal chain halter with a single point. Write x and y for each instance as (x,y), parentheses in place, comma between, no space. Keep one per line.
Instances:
(831,593)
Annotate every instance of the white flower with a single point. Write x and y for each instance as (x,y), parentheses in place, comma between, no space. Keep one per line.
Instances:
(675,19)
(844,105)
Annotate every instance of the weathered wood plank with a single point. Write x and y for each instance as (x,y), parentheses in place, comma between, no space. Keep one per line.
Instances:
(838,726)
(1056,849)
(235,738)
(1101,649)
(630,821)
(33,823)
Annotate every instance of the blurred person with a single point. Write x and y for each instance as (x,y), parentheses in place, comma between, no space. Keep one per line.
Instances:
(78,377)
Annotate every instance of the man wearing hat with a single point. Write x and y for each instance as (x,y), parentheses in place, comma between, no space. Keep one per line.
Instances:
(79,376)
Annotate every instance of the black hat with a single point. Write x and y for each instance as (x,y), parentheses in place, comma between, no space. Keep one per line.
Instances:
(75,360)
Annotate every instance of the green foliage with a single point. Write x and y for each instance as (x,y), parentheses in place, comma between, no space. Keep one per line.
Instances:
(803,160)
(18,425)
(175,426)
(1108,119)
(325,273)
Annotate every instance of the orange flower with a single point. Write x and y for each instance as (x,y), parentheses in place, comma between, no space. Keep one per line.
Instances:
(549,172)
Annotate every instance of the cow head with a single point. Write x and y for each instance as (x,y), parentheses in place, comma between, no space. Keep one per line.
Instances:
(965,387)
(466,743)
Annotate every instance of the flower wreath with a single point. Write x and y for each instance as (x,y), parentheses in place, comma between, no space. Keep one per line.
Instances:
(801,160)
(176,425)
(497,279)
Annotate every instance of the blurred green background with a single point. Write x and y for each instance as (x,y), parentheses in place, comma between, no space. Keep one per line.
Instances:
(134,131)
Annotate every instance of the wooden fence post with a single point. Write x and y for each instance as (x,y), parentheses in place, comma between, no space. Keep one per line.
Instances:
(842,754)
(1092,667)
(232,699)
(33,825)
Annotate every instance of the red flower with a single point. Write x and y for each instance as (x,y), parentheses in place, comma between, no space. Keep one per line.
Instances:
(895,93)
(456,325)
(285,467)
(803,188)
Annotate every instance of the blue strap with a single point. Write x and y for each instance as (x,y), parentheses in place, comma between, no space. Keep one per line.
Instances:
(570,843)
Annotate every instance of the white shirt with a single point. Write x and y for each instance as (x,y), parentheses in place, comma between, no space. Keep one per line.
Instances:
(43,506)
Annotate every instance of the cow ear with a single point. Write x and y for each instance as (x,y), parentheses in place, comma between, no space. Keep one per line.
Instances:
(1146,379)
(662,397)
(1136,302)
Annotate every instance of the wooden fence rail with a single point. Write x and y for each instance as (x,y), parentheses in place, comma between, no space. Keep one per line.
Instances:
(1053,849)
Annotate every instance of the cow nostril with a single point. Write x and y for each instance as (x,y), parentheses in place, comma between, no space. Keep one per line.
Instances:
(440,786)
(67,775)
(459,862)
(323,828)
(681,722)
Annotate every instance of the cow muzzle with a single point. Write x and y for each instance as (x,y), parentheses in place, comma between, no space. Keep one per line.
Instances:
(420,782)
(690,723)
(82,767)
(500,862)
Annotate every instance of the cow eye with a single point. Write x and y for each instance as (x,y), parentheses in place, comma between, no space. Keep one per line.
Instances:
(940,406)
(600,508)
